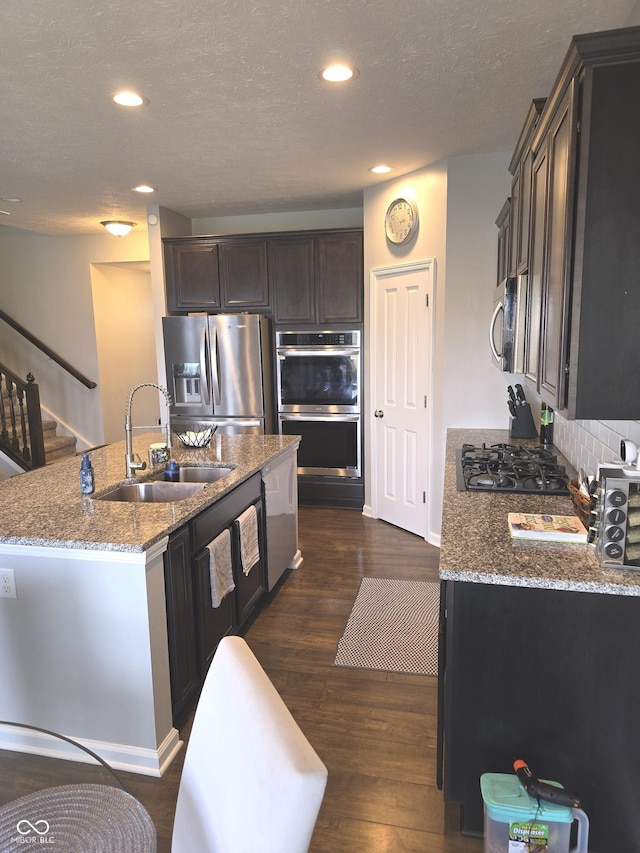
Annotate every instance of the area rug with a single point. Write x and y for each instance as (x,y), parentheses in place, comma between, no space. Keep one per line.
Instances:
(393,626)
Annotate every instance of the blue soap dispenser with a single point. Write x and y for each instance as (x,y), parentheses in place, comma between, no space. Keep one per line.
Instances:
(87,483)
(172,471)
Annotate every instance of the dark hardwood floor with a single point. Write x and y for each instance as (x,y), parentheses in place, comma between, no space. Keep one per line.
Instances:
(375,731)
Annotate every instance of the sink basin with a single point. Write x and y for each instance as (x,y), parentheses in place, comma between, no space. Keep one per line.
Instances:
(199,473)
(157,492)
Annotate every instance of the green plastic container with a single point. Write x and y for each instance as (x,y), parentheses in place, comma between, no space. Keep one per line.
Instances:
(514,822)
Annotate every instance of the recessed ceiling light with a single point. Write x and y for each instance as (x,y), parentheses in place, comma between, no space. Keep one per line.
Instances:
(338,73)
(380,170)
(11,200)
(143,188)
(129,99)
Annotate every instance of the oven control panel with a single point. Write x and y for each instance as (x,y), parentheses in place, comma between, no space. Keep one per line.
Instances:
(618,519)
(318,339)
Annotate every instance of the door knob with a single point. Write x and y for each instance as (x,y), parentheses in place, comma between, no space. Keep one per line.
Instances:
(378,413)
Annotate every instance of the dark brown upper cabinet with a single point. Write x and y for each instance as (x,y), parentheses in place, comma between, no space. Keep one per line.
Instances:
(306,278)
(503,223)
(339,282)
(521,169)
(191,276)
(292,276)
(243,275)
(206,274)
(584,253)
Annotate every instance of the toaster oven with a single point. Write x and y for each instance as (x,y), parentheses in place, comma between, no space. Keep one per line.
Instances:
(617,517)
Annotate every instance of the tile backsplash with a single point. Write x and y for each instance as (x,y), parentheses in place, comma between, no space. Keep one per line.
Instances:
(586,443)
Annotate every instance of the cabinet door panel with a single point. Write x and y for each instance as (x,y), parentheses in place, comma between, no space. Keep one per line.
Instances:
(524,220)
(181,631)
(243,274)
(192,281)
(536,265)
(514,222)
(556,278)
(339,278)
(292,280)
(214,623)
(249,587)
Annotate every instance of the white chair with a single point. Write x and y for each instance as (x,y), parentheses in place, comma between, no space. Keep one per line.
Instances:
(251,781)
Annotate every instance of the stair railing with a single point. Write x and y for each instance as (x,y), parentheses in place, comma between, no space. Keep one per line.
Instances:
(21,436)
(89,383)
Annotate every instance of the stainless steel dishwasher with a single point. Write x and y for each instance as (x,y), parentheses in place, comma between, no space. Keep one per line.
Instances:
(280,478)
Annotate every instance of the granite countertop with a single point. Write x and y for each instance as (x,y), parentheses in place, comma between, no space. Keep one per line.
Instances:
(45,507)
(476,545)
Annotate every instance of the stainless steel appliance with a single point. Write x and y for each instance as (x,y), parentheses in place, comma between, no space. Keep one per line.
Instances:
(319,394)
(510,468)
(281,510)
(219,372)
(507,327)
(616,517)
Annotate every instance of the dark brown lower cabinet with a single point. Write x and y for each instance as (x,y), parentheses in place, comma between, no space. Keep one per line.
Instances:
(550,677)
(182,635)
(195,627)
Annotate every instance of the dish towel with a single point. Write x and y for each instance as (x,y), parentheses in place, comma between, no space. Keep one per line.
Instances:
(247,521)
(220,567)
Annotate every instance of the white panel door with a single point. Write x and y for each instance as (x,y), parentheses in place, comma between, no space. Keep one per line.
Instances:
(401,348)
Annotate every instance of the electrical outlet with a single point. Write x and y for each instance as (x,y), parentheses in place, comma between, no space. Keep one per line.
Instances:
(7,584)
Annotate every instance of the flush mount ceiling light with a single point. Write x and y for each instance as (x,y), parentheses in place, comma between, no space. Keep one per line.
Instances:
(144,188)
(129,99)
(118,227)
(338,73)
(380,170)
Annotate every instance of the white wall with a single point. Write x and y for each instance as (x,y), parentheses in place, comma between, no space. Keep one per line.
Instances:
(305,220)
(458,203)
(126,344)
(45,285)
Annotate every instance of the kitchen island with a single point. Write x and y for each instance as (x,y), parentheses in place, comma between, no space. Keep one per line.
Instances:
(86,646)
(538,659)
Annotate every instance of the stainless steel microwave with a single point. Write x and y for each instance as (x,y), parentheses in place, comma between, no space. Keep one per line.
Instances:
(507,327)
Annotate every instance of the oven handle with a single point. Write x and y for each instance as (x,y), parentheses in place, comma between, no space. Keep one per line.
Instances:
(283,352)
(302,416)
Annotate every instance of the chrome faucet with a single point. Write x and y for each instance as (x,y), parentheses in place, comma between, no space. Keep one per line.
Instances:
(139,465)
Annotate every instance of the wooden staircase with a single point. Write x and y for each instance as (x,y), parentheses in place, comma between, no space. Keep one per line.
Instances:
(56,447)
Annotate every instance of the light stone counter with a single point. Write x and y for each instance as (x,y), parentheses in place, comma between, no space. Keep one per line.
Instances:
(476,545)
(45,507)
(88,626)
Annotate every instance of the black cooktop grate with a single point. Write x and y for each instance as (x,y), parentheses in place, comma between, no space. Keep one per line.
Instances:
(510,468)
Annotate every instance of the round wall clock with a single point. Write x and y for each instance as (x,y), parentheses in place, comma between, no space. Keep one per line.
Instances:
(401,221)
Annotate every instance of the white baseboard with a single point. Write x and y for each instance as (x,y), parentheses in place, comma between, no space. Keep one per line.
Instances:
(147,762)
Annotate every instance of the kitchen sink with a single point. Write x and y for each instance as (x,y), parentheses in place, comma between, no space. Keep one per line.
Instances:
(199,473)
(152,492)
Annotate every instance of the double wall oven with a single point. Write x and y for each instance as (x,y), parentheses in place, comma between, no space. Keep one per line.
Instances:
(319,397)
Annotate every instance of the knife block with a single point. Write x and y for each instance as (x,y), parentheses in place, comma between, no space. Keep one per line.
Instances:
(522,425)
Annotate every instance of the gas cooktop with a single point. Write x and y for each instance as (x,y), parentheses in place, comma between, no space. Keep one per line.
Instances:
(510,468)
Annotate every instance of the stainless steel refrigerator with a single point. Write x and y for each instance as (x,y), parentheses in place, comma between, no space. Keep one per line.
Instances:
(219,372)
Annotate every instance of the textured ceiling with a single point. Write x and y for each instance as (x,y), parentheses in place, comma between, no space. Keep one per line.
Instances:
(238,121)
